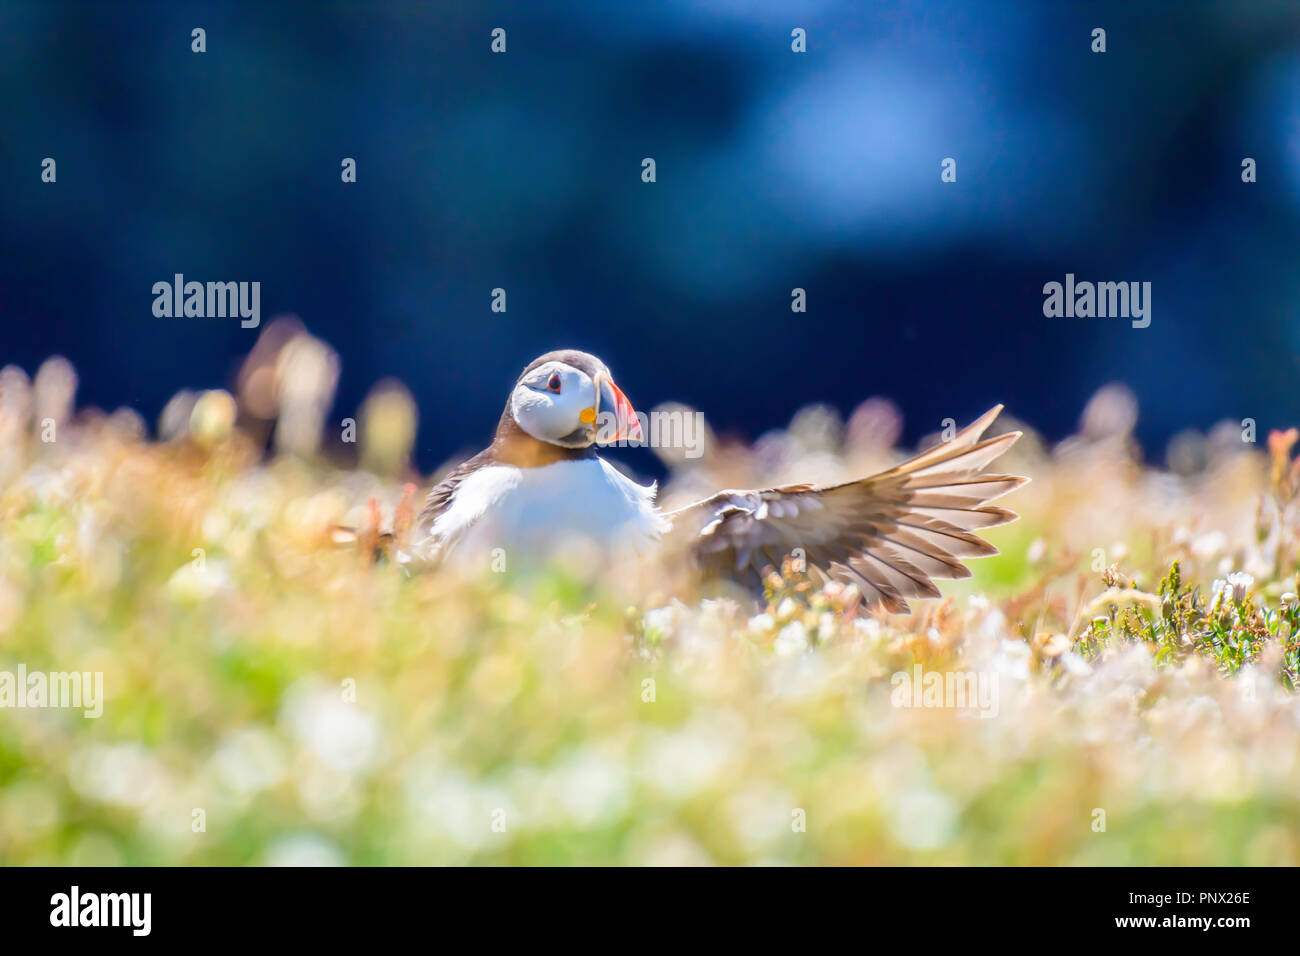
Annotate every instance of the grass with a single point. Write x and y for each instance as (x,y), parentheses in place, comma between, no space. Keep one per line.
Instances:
(273,698)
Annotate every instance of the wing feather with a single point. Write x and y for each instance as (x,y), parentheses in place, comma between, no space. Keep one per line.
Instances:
(890,534)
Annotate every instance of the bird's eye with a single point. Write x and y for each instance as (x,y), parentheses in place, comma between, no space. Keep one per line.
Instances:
(554,383)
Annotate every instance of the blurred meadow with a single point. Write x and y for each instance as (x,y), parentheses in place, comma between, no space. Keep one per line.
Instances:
(320,707)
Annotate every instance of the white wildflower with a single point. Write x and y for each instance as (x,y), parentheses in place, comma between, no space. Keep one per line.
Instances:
(793,639)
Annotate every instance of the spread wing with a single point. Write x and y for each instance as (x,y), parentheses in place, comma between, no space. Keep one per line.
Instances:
(891,534)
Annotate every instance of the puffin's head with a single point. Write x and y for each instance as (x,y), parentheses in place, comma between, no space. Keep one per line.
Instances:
(568,398)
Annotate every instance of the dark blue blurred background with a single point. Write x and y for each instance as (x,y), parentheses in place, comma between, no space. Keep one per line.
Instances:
(775,170)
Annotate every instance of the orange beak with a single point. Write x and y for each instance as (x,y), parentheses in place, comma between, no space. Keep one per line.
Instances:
(611,398)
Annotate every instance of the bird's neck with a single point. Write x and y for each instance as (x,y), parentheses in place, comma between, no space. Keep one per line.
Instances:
(514,446)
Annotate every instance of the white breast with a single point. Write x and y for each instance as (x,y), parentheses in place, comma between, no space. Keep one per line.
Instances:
(533,514)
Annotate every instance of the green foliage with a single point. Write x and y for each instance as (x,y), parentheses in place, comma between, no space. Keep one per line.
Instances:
(317,706)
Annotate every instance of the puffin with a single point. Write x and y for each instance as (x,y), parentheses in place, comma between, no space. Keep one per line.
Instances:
(540,491)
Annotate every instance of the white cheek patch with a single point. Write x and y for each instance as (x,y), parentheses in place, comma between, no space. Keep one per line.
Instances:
(550,417)
(534,412)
